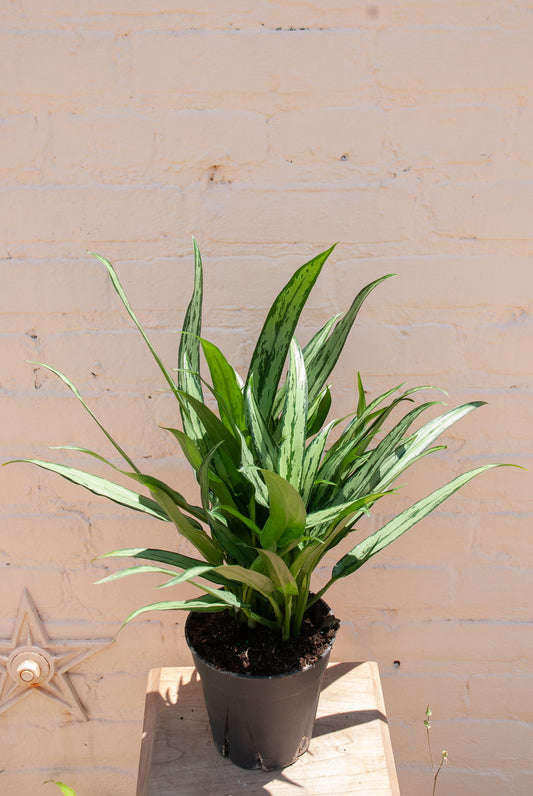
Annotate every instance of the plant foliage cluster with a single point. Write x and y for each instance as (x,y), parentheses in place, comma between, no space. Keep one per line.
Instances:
(276,495)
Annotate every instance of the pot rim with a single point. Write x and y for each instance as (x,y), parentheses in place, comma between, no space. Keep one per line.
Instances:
(292,673)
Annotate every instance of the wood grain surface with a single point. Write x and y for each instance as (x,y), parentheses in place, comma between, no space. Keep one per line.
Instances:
(350,752)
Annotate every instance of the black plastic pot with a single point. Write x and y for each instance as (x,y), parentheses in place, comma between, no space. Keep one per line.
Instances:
(261,722)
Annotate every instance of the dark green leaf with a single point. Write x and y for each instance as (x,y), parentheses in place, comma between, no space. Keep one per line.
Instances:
(294,420)
(273,343)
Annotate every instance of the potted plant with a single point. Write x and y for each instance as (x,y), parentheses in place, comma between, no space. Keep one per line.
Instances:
(276,497)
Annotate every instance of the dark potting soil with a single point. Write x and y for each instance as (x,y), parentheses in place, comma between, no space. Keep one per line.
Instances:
(227,644)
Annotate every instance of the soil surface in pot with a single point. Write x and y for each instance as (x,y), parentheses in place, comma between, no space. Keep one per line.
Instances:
(227,644)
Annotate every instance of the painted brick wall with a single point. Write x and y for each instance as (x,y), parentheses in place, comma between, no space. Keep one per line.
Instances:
(270,130)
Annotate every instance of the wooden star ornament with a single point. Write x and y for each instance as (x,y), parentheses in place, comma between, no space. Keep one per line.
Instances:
(31,661)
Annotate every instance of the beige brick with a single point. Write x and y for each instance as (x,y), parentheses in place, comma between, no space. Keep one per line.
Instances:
(21,142)
(406,352)
(211,138)
(425,283)
(505,417)
(55,285)
(424,590)
(105,781)
(446,640)
(110,360)
(48,588)
(493,211)
(450,133)
(523,135)
(58,64)
(165,283)
(445,58)
(444,537)
(327,134)
(453,780)
(359,214)
(497,696)
(503,538)
(407,695)
(513,585)
(15,351)
(87,742)
(101,142)
(477,743)
(90,215)
(508,343)
(68,539)
(285,62)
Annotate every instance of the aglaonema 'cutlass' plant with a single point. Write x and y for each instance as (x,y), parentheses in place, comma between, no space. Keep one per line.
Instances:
(275,497)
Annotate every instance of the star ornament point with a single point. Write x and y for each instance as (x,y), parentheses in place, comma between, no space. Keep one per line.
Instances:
(31,661)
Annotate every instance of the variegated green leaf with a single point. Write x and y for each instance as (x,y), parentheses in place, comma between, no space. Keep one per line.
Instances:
(325,358)
(310,350)
(187,528)
(312,459)
(184,577)
(220,601)
(164,557)
(400,524)
(264,445)
(274,340)
(189,350)
(317,414)
(150,482)
(103,487)
(294,420)
(139,570)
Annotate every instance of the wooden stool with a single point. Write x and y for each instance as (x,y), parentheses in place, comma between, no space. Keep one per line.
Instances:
(350,752)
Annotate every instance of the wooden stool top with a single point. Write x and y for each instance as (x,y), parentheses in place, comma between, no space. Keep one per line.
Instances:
(350,752)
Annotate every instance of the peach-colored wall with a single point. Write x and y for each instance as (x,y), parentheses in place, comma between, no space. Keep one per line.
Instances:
(270,130)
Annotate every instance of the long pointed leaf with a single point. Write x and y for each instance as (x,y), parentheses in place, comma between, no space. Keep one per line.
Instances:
(309,352)
(270,352)
(122,295)
(164,557)
(187,528)
(150,482)
(262,440)
(377,541)
(423,438)
(294,420)
(103,487)
(206,603)
(321,365)
(226,386)
(78,395)
(141,569)
(189,349)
